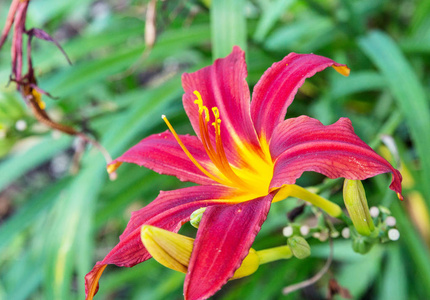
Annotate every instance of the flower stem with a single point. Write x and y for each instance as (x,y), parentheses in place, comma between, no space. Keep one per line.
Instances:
(273,254)
(293,190)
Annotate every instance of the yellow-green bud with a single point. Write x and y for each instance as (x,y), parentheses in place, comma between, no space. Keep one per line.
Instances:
(170,249)
(356,204)
(173,251)
(249,265)
(196,217)
(299,246)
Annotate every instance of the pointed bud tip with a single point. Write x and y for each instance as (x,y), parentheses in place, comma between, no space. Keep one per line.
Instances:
(146,228)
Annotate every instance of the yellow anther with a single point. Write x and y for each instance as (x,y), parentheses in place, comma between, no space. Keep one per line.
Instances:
(199,99)
(190,156)
(199,102)
(206,113)
(215,112)
(216,124)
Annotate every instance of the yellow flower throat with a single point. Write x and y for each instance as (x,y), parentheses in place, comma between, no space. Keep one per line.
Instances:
(254,179)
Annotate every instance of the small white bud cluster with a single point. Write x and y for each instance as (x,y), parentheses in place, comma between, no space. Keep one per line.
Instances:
(304,230)
(393,234)
(346,233)
(374,211)
(21,125)
(287,231)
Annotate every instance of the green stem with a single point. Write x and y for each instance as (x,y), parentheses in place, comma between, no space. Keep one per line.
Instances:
(273,254)
(329,207)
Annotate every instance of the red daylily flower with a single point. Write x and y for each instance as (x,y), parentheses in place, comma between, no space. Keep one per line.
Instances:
(243,154)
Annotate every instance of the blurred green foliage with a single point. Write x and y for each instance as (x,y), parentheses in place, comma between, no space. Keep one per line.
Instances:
(54,225)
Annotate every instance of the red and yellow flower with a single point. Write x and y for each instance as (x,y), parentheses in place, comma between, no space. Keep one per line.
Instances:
(245,156)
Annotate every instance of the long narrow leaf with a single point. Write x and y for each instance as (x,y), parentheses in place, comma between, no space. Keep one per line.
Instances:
(228,26)
(408,93)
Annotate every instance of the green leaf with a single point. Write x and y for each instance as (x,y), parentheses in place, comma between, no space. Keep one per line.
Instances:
(361,81)
(418,251)
(29,213)
(228,26)
(394,283)
(306,35)
(358,276)
(270,16)
(71,239)
(408,93)
(20,163)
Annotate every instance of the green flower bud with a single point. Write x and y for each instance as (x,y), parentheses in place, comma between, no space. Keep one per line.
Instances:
(196,217)
(356,204)
(299,246)
(361,244)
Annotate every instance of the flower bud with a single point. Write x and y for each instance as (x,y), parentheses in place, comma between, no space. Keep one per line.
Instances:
(356,204)
(173,251)
(393,234)
(299,246)
(196,217)
(361,244)
(170,249)
(249,265)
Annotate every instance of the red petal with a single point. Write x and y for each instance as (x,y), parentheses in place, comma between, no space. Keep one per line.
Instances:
(223,85)
(168,211)
(162,153)
(304,144)
(223,240)
(276,89)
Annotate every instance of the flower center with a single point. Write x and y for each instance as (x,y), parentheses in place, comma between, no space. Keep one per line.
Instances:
(255,181)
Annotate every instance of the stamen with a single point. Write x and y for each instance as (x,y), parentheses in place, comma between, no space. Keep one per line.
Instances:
(218,157)
(199,102)
(188,152)
(216,112)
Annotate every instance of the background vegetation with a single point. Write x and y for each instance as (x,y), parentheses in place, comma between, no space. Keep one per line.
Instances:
(54,225)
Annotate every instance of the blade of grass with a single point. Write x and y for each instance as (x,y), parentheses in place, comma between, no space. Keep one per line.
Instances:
(394,277)
(228,26)
(417,250)
(408,93)
(269,18)
(71,238)
(17,165)
(29,213)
